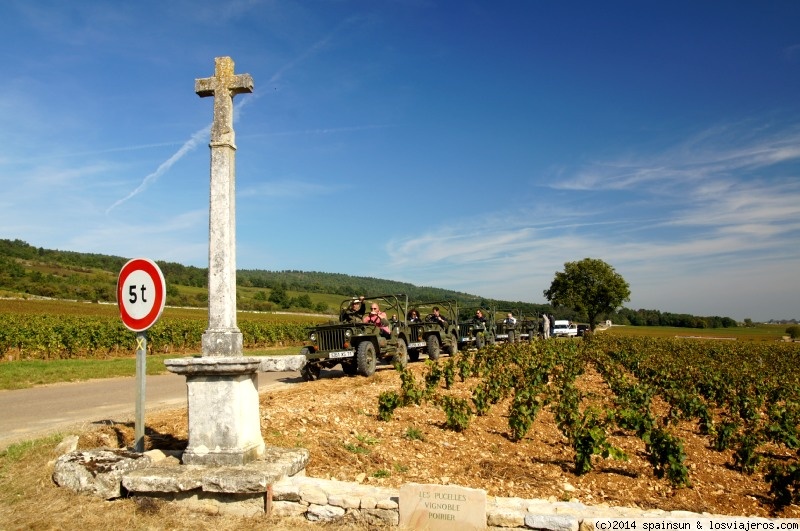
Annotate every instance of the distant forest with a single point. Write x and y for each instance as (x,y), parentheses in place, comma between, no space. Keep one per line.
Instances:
(27,271)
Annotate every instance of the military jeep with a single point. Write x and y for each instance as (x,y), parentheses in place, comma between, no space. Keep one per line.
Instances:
(528,327)
(475,332)
(432,336)
(356,345)
(506,332)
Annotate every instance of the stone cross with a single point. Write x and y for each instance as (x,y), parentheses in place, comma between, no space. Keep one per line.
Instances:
(223,337)
(223,87)
(222,384)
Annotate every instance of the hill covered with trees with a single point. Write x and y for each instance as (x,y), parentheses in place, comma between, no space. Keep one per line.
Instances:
(28,271)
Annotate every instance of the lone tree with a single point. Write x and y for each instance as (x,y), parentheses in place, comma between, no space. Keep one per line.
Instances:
(589,286)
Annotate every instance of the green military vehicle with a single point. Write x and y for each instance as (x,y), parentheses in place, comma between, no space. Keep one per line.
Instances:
(475,331)
(359,345)
(505,331)
(431,334)
(528,327)
(525,327)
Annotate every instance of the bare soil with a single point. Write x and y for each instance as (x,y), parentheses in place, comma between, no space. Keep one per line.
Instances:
(336,419)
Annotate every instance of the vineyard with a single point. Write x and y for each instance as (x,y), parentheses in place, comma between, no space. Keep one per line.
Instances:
(44,330)
(742,399)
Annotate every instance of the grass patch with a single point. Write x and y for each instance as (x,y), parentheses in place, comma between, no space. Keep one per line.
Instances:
(366,439)
(29,373)
(23,374)
(355,449)
(16,452)
(414,434)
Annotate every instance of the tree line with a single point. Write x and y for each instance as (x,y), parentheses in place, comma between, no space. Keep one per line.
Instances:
(34,271)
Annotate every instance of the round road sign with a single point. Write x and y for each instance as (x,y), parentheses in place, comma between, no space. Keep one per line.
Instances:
(141,294)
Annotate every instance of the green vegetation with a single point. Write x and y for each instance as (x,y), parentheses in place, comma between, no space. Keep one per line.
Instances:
(70,336)
(591,287)
(356,449)
(743,397)
(414,434)
(28,272)
(29,373)
(23,374)
(656,318)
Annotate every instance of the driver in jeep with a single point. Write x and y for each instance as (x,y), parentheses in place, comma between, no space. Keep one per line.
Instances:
(436,317)
(378,318)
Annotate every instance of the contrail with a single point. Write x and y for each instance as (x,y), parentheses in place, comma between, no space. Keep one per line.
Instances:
(187,146)
(192,143)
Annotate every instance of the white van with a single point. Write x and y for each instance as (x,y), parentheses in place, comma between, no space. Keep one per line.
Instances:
(565,329)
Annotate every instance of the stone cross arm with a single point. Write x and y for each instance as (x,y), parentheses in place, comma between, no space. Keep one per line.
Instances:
(223,86)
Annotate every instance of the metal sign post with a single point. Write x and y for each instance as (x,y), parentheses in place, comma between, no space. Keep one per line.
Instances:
(141,295)
(141,371)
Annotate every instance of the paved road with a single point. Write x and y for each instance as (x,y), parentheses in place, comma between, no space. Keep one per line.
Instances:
(30,413)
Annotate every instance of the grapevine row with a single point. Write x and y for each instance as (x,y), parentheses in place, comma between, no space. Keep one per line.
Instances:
(69,336)
(744,397)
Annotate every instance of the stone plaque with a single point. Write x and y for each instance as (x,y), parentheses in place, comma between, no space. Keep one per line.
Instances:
(441,507)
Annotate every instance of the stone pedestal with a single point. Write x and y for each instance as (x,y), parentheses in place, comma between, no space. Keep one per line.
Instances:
(224,419)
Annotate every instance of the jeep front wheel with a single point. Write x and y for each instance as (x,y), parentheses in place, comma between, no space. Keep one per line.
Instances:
(453,348)
(401,356)
(433,346)
(480,342)
(365,358)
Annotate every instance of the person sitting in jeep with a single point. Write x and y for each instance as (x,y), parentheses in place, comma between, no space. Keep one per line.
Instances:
(354,312)
(413,316)
(435,317)
(378,318)
(479,317)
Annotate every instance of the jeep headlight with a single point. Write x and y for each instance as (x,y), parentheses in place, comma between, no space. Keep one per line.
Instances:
(348,334)
(312,336)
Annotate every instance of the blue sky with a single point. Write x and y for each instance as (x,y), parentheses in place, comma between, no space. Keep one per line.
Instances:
(476,146)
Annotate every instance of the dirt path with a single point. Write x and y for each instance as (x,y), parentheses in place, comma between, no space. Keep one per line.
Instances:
(35,412)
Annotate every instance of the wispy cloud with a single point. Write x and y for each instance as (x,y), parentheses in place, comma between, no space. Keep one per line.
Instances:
(714,153)
(149,179)
(722,196)
(203,133)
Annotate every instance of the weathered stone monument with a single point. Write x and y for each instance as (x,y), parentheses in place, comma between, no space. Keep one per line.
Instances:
(225,467)
(224,420)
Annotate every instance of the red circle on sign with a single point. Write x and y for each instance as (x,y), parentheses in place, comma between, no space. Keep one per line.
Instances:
(139,266)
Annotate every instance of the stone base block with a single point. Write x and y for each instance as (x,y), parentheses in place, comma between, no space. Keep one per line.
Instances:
(97,472)
(240,490)
(224,419)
